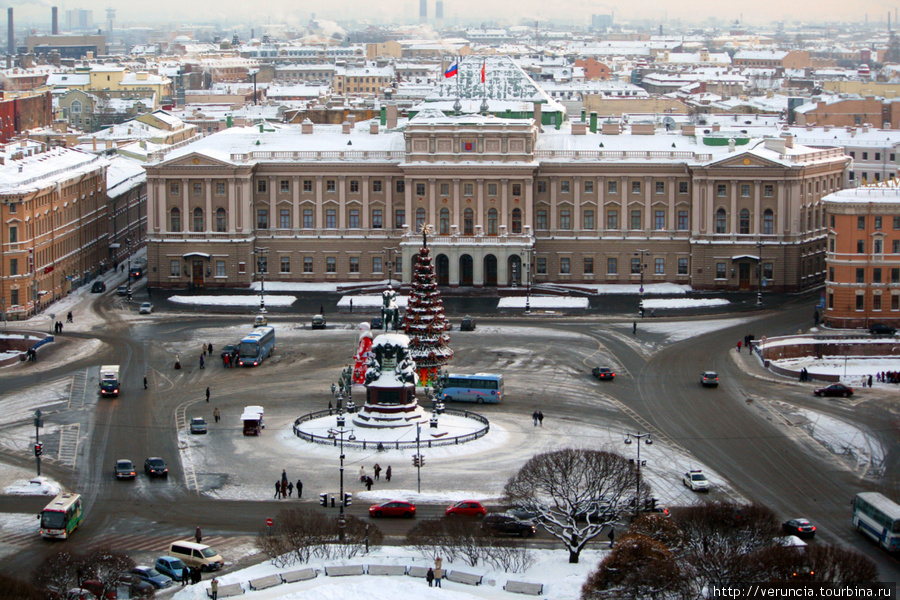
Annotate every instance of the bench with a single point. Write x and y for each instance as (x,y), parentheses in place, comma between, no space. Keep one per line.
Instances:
(417,572)
(521,587)
(227,591)
(301,575)
(344,571)
(467,578)
(387,569)
(265,582)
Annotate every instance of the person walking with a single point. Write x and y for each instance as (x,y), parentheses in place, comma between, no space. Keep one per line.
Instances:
(204,348)
(362,474)
(284,488)
(185,575)
(216,415)
(209,347)
(145,382)
(277,488)
(214,588)
(207,394)
(739,345)
(438,574)
(290,489)
(198,535)
(69,318)
(351,304)
(299,489)
(870,381)
(541,418)
(387,473)
(816,318)
(369,483)
(534,418)
(377,470)
(202,362)
(226,358)
(612,536)
(633,327)
(429,576)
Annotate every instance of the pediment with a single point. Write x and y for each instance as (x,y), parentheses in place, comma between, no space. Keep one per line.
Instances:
(195,159)
(746,160)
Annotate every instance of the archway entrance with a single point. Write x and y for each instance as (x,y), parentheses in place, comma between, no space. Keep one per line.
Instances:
(466,270)
(443,270)
(490,270)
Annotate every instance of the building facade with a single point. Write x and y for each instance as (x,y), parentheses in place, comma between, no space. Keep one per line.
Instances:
(863,283)
(507,201)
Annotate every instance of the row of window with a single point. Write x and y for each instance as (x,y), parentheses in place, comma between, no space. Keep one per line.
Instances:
(378,264)
(876,275)
(865,156)
(875,304)
(877,222)
(877,246)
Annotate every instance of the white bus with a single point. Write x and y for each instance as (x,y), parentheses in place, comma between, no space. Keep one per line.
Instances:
(879,518)
(60,518)
(481,388)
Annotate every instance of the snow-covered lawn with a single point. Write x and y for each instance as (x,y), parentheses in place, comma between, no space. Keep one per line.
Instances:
(852,370)
(232,300)
(663,303)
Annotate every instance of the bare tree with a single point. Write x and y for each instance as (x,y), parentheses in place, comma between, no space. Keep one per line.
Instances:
(832,564)
(58,572)
(637,568)
(568,486)
(107,567)
(660,528)
(301,534)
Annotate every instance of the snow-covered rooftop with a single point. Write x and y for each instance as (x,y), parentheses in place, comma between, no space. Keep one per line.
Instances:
(38,170)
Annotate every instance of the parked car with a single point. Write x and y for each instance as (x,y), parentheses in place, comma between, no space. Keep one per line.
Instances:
(125,469)
(696,480)
(507,525)
(156,466)
(524,514)
(122,290)
(95,588)
(603,373)
(198,425)
(171,566)
(467,324)
(835,390)
(137,587)
(152,576)
(260,321)
(802,528)
(377,323)
(318,322)
(467,508)
(98,287)
(146,308)
(882,329)
(709,379)
(597,510)
(394,508)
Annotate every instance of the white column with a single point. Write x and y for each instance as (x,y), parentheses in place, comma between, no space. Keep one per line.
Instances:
(365,202)
(295,193)
(209,211)
(529,205)
(454,218)
(479,213)
(342,202)
(410,217)
(320,210)
(576,212)
(757,211)
(648,204)
(553,208)
(232,211)
(504,209)
(185,215)
(734,209)
(671,223)
(431,217)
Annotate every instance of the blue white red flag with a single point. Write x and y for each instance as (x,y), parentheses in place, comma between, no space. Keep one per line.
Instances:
(453,70)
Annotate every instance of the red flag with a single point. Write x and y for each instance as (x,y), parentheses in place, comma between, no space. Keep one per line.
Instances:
(483,64)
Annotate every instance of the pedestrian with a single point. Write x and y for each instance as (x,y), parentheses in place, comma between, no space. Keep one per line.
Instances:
(60,327)
(198,535)
(209,347)
(369,483)
(870,381)
(216,415)
(299,489)
(387,474)
(284,476)
(438,562)
(148,292)
(438,574)
(145,382)
(204,348)
(816,318)
(69,317)
(612,537)
(634,328)
(198,575)
(207,394)
(351,304)
(534,418)
(290,489)
(330,407)
(362,474)
(185,575)
(739,346)
(284,488)
(541,418)
(214,588)
(226,358)
(202,362)
(377,470)
(429,576)
(277,488)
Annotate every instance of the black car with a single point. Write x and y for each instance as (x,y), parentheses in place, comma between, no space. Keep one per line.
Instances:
(597,511)
(524,514)
(467,324)
(98,287)
(156,466)
(603,373)
(802,528)
(835,390)
(506,525)
(377,323)
(136,272)
(882,329)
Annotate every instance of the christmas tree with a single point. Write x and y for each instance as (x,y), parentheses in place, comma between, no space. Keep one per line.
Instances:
(424,321)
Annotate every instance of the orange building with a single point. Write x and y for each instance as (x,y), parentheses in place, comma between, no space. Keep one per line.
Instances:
(863,257)
(593,68)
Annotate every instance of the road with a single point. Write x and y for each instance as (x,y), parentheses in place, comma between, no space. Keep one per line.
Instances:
(546,361)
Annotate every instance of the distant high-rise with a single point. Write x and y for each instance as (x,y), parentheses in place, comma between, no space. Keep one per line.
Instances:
(423,11)
(11,31)
(601,22)
(439,14)
(54,20)
(79,19)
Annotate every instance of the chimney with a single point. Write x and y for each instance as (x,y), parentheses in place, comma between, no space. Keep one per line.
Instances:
(788,140)
(345,127)
(731,144)
(610,128)
(537,115)
(54,21)
(306,127)
(373,127)
(579,128)
(11,32)
(392,116)
(593,121)
(94,143)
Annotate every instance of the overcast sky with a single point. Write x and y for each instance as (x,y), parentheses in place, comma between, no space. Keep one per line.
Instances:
(36,13)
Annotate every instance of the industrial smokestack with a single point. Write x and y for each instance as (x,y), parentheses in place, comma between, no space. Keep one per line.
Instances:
(11,31)
(423,11)
(54,24)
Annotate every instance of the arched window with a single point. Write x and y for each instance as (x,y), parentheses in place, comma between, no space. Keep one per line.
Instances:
(221,221)
(492,221)
(420,219)
(517,220)
(445,222)
(76,107)
(720,221)
(175,219)
(198,219)
(768,222)
(468,222)
(745,221)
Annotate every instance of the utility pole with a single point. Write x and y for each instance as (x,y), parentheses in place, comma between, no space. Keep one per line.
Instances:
(642,266)
(759,274)
(38,446)
(262,265)
(637,483)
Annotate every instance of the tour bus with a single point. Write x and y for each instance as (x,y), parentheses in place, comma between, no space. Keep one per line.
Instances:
(879,518)
(482,388)
(60,518)
(256,346)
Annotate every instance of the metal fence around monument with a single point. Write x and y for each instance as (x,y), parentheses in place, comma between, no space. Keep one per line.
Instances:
(391,444)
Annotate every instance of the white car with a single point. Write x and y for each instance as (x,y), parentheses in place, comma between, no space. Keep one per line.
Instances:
(696,480)
(146,308)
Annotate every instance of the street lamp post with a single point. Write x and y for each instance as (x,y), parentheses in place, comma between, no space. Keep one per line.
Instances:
(389,252)
(642,266)
(262,266)
(128,249)
(638,436)
(759,273)
(528,254)
(339,432)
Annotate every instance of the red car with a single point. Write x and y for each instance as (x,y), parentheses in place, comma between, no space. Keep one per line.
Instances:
(468,508)
(394,508)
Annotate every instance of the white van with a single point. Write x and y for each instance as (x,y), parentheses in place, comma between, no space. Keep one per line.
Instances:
(197,555)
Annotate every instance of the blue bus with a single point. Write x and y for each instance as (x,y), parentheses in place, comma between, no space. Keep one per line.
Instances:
(256,346)
(481,388)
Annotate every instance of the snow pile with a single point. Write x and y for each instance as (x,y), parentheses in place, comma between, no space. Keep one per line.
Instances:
(844,439)
(683,303)
(232,300)
(543,302)
(39,486)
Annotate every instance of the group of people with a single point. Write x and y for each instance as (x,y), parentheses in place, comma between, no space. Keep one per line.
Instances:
(58,327)
(436,574)
(804,374)
(538,418)
(886,377)
(368,481)
(192,575)
(284,488)
(229,359)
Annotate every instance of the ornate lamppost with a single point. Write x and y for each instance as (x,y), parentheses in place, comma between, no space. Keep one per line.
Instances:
(638,436)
